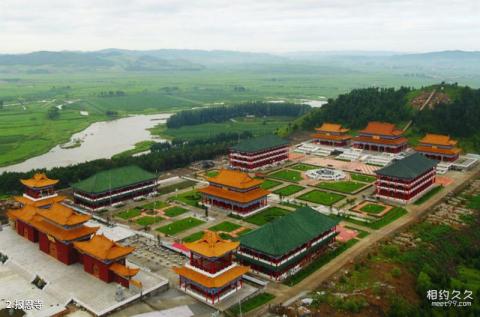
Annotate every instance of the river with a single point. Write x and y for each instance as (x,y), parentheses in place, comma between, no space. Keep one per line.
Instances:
(99,140)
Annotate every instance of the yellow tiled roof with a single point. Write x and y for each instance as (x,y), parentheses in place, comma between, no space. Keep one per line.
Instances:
(63,215)
(234,179)
(235,196)
(332,127)
(123,270)
(212,245)
(39,180)
(383,128)
(212,282)
(39,203)
(103,248)
(438,139)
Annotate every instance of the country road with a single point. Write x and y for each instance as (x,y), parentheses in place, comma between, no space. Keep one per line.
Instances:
(284,293)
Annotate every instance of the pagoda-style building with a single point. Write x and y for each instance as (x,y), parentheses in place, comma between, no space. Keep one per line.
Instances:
(285,245)
(106,260)
(381,137)
(261,152)
(438,147)
(332,134)
(235,192)
(113,186)
(211,275)
(407,179)
(39,191)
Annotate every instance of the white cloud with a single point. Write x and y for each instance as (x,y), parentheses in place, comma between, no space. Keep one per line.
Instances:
(248,25)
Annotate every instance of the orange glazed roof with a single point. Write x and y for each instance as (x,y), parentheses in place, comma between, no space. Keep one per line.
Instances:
(234,179)
(63,215)
(103,248)
(334,137)
(123,270)
(212,245)
(235,196)
(438,139)
(39,180)
(39,203)
(211,282)
(369,139)
(332,127)
(60,233)
(25,214)
(383,128)
(429,149)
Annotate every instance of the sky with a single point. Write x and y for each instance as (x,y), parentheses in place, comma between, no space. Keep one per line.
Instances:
(241,25)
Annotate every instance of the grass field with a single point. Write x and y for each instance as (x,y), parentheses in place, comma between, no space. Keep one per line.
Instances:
(174,211)
(178,186)
(428,195)
(390,217)
(362,178)
(321,197)
(361,233)
(190,198)
(373,208)
(148,220)
(212,173)
(474,202)
(268,183)
(226,226)
(346,187)
(287,175)
(127,214)
(193,237)
(266,216)
(288,190)
(158,204)
(180,225)
(139,147)
(251,303)
(303,167)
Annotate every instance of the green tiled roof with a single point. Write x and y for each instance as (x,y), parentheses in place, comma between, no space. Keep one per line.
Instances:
(113,179)
(288,232)
(409,167)
(260,143)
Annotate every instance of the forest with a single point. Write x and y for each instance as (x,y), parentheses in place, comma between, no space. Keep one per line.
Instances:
(224,113)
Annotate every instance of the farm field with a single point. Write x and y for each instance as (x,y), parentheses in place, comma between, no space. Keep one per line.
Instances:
(321,197)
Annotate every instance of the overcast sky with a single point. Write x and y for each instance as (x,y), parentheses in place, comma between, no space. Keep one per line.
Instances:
(246,25)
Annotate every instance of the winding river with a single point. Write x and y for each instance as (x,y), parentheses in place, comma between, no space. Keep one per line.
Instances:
(99,140)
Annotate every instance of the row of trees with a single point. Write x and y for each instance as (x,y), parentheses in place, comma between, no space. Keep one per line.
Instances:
(164,156)
(224,113)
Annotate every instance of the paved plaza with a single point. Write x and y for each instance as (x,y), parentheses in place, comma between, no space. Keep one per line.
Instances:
(65,283)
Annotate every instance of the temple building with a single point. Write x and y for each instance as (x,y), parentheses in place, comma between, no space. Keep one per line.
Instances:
(380,137)
(253,154)
(113,186)
(211,275)
(282,247)
(438,147)
(106,260)
(332,134)
(39,191)
(235,192)
(407,179)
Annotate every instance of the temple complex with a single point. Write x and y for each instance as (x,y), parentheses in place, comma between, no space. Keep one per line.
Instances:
(39,191)
(332,134)
(438,147)
(211,275)
(113,186)
(406,179)
(282,247)
(253,154)
(236,192)
(381,137)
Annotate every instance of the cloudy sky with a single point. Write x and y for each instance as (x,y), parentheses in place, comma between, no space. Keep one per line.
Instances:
(246,25)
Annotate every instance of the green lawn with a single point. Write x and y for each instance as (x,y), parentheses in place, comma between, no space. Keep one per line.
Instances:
(318,263)
(361,233)
(180,225)
(268,183)
(159,204)
(226,226)
(390,217)
(362,178)
(347,187)
(251,303)
(373,208)
(148,220)
(304,167)
(178,186)
(212,173)
(174,211)
(193,237)
(321,197)
(190,198)
(266,216)
(288,190)
(127,214)
(287,175)
(428,195)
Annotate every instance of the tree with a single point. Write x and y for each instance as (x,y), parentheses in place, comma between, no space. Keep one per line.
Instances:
(53,113)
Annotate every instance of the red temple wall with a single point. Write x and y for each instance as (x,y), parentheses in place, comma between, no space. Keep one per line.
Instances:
(26,231)
(104,273)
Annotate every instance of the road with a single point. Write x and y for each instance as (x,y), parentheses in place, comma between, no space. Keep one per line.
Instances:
(284,293)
